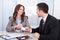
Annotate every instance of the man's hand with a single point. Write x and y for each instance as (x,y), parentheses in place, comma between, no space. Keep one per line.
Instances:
(36,35)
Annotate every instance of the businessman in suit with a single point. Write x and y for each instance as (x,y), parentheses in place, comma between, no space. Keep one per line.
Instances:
(49,26)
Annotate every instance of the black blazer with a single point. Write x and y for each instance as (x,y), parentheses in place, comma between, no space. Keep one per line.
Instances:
(59,30)
(50,30)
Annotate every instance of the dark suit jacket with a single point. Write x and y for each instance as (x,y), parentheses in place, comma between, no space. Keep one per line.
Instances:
(59,30)
(50,30)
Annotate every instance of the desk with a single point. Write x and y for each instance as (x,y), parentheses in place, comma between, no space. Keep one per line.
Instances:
(29,34)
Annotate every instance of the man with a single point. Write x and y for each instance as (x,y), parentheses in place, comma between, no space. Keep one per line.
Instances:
(48,28)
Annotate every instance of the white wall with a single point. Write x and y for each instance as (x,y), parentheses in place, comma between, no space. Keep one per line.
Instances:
(1,15)
(57,9)
(7,10)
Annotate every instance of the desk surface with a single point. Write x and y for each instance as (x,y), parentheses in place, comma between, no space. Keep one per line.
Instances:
(29,34)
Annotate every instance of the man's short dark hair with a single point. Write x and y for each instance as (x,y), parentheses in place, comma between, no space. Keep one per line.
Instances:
(43,6)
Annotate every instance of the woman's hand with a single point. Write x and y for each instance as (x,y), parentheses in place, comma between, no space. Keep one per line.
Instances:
(17,31)
(18,27)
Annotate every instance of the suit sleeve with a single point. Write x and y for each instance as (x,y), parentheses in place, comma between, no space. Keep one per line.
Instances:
(9,27)
(35,30)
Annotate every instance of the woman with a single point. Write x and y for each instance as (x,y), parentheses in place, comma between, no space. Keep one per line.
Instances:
(18,20)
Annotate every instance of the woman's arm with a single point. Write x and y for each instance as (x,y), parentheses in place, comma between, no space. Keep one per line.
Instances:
(10,27)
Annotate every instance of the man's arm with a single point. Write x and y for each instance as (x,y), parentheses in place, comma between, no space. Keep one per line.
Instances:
(35,30)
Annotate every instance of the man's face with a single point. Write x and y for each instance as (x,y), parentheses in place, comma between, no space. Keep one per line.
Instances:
(38,12)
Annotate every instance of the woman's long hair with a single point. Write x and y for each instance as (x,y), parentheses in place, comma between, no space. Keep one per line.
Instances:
(16,11)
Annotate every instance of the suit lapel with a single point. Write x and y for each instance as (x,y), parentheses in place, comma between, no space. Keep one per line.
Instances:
(47,21)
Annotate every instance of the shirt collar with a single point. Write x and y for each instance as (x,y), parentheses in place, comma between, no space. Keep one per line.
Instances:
(44,19)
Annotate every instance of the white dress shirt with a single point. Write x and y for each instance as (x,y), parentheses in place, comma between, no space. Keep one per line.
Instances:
(44,19)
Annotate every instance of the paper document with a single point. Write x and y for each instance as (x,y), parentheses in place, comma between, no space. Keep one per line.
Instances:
(13,35)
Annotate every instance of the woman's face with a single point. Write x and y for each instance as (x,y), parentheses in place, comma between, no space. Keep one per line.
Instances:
(20,12)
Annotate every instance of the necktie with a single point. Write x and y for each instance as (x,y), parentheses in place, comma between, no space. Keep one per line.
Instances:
(42,24)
